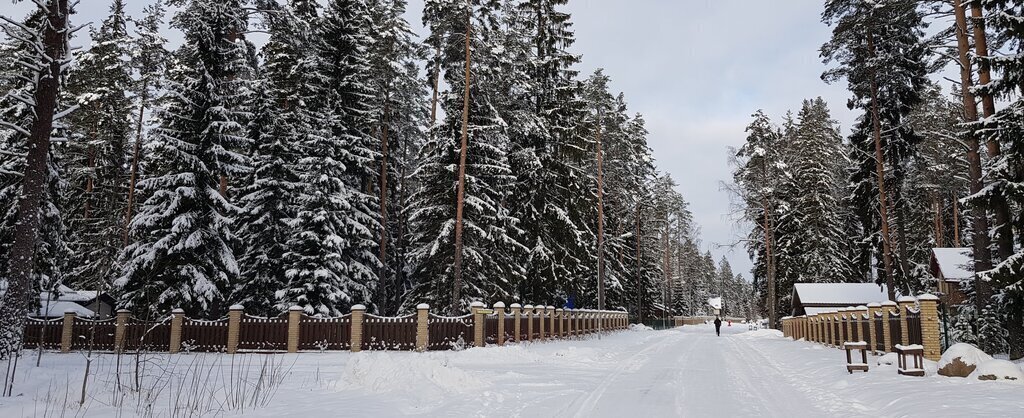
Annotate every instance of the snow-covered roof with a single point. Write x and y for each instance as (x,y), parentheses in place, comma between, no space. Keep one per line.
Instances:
(67,294)
(838,294)
(953,263)
(56,309)
(715,303)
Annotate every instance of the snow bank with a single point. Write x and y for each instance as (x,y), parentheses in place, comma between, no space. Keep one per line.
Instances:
(640,327)
(384,372)
(762,334)
(889,359)
(1001,370)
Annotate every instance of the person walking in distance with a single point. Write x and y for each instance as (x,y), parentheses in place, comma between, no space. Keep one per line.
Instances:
(718,326)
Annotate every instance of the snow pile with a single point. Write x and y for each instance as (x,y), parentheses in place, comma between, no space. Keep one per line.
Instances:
(384,372)
(961,359)
(763,334)
(640,327)
(995,369)
(889,359)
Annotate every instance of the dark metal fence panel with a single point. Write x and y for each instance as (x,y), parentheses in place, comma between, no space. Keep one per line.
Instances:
(895,332)
(879,332)
(536,326)
(147,336)
(491,329)
(510,328)
(325,333)
(258,333)
(48,333)
(914,326)
(843,331)
(448,333)
(97,335)
(835,332)
(383,333)
(201,335)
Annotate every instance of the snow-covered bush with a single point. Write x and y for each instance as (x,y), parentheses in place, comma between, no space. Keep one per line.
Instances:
(996,369)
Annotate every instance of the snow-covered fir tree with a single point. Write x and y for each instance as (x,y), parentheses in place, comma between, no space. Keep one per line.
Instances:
(183,250)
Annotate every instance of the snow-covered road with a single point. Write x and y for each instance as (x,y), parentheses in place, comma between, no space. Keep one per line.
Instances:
(686,372)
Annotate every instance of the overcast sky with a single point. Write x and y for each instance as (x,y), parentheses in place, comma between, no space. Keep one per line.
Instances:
(696,70)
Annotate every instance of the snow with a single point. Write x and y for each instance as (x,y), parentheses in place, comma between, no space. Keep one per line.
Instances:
(684,371)
(849,294)
(968,354)
(57,309)
(954,263)
(715,303)
(1001,370)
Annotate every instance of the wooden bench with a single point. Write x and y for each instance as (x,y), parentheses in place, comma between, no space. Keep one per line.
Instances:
(850,365)
(916,352)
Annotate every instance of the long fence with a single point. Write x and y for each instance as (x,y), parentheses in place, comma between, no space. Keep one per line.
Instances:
(294,331)
(909,322)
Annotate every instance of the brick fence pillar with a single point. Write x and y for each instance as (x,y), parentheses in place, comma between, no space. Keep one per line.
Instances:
(560,315)
(422,327)
(873,307)
(887,307)
(121,326)
(550,310)
(862,312)
(294,319)
(517,323)
(529,322)
(826,328)
(356,342)
(67,335)
(905,302)
(930,326)
(499,311)
(542,313)
(850,314)
(177,320)
(477,309)
(234,324)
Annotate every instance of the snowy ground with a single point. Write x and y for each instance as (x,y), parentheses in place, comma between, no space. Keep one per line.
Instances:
(687,372)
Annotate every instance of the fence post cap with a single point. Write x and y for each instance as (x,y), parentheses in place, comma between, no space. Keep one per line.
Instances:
(499,305)
(358,308)
(477,304)
(927,296)
(550,308)
(528,307)
(906,299)
(120,311)
(295,308)
(862,308)
(874,305)
(516,306)
(422,306)
(559,310)
(888,303)
(178,311)
(236,307)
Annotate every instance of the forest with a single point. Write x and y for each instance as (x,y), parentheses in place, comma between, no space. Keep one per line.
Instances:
(341,161)
(936,159)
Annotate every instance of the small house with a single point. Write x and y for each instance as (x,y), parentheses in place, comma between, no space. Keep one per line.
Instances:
(814,298)
(950,267)
(84,303)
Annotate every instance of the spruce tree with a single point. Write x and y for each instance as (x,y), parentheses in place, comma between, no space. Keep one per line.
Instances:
(183,254)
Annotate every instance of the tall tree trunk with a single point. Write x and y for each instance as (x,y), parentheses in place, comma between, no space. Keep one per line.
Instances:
(880,169)
(436,86)
(639,271)
(15,303)
(461,192)
(136,151)
(956,222)
(388,284)
(1003,229)
(979,219)
(769,238)
(600,214)
(937,221)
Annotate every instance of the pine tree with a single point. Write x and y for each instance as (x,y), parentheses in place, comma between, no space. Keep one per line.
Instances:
(183,254)
(878,48)
(101,127)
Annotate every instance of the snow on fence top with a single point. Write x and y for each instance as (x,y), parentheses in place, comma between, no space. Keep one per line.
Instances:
(952,263)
